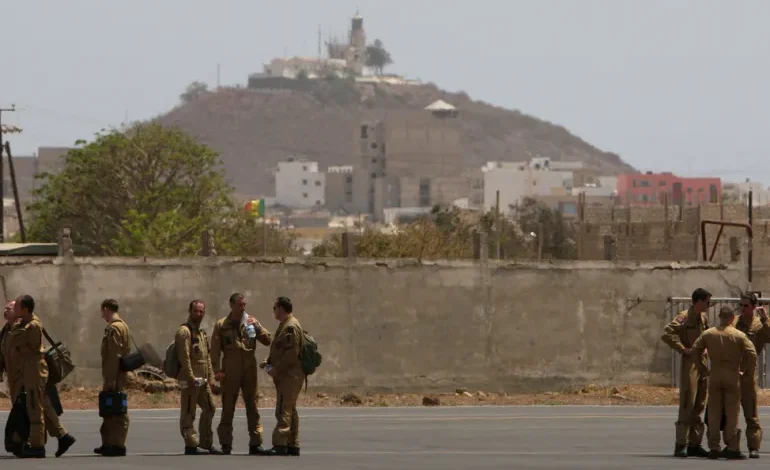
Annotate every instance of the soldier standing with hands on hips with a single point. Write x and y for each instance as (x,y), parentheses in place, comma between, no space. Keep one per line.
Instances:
(235,338)
(732,355)
(680,334)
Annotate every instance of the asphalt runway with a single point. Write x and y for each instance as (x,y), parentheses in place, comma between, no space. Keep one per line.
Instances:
(473,438)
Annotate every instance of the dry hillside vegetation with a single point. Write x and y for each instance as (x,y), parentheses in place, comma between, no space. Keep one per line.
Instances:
(254,129)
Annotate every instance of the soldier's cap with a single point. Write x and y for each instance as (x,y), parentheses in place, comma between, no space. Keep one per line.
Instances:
(725,312)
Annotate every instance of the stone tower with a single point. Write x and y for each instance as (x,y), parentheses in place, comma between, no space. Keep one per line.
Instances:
(356,54)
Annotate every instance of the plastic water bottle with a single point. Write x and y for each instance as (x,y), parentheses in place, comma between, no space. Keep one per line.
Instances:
(251,330)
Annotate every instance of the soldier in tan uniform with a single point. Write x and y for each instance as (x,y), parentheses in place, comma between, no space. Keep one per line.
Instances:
(10,320)
(51,422)
(680,334)
(754,323)
(237,371)
(116,343)
(284,366)
(26,349)
(732,354)
(192,348)
(12,369)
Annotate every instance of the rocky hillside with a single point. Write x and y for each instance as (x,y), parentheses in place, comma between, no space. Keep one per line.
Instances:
(253,129)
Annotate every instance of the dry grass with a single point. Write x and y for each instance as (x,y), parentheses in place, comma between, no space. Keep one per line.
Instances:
(84,399)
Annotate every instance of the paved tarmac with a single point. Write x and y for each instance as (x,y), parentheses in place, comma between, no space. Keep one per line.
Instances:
(473,438)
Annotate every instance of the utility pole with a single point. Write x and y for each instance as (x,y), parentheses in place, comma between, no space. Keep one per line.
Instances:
(2,174)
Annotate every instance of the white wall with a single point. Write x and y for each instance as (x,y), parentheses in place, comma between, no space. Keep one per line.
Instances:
(760,196)
(299,184)
(514,185)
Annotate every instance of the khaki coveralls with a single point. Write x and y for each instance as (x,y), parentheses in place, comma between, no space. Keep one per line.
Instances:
(193,351)
(115,344)
(25,348)
(681,334)
(731,353)
(239,365)
(758,332)
(285,361)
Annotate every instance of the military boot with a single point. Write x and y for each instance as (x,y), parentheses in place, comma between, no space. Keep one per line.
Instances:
(714,454)
(733,455)
(257,450)
(680,451)
(279,450)
(753,454)
(293,451)
(227,450)
(697,451)
(114,451)
(32,453)
(65,442)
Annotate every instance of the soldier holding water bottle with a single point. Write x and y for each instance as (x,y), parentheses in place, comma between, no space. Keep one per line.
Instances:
(233,359)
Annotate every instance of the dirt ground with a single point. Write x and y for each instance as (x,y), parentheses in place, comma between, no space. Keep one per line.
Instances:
(142,396)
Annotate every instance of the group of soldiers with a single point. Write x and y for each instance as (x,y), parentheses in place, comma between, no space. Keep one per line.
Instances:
(731,383)
(229,360)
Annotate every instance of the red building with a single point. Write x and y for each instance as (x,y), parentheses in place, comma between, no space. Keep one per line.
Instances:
(645,189)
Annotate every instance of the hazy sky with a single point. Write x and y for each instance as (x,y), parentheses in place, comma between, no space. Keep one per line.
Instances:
(668,84)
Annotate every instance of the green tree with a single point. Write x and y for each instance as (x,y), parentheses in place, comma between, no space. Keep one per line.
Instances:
(377,57)
(150,191)
(193,91)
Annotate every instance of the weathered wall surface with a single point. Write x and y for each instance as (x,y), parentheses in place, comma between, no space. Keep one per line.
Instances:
(394,325)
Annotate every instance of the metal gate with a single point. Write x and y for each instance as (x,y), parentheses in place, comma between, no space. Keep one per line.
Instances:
(680,304)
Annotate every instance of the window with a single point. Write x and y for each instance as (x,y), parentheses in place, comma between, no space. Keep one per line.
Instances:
(318,203)
(424,192)
(700,190)
(644,184)
(304,195)
(348,179)
(318,183)
(374,160)
(374,175)
(633,183)
(374,145)
(661,183)
(304,182)
(364,132)
(304,167)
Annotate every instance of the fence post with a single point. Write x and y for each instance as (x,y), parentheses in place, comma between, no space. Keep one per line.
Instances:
(476,245)
(348,248)
(207,243)
(65,244)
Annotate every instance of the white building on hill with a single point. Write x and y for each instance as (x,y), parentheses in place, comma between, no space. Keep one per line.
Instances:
(299,184)
(519,180)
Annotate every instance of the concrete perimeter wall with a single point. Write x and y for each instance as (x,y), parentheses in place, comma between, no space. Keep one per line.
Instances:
(393,325)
